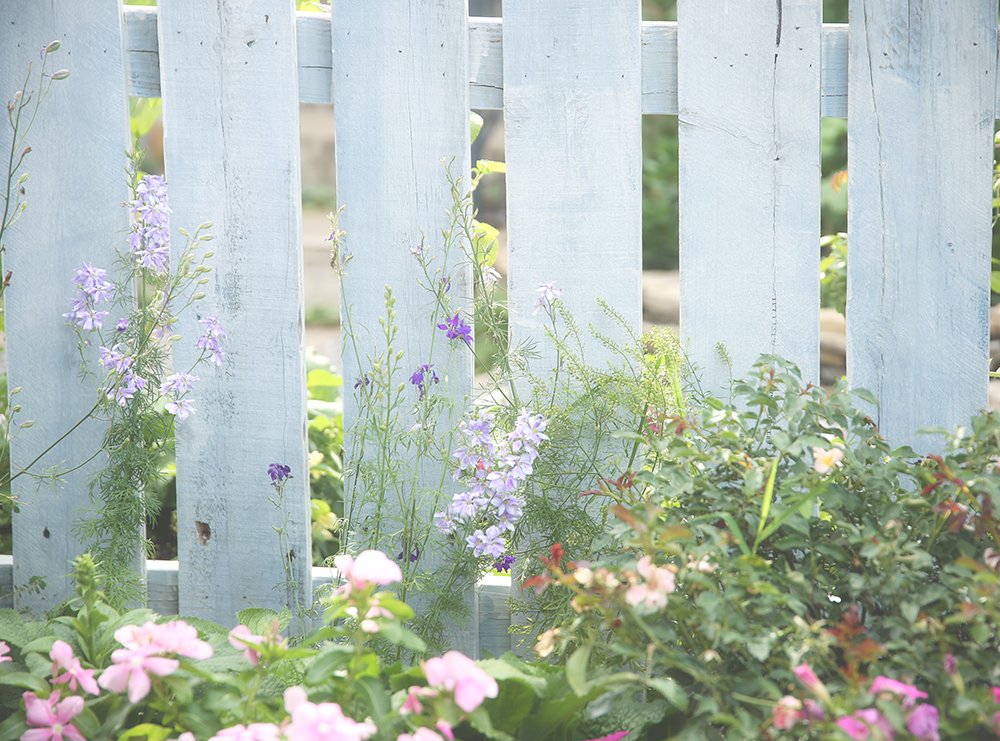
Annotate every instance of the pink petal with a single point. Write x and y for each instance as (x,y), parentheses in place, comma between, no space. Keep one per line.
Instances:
(114,678)
(138,686)
(62,654)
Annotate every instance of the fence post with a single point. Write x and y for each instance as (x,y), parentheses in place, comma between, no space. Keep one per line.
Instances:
(920,139)
(75,215)
(230,111)
(749,122)
(401,101)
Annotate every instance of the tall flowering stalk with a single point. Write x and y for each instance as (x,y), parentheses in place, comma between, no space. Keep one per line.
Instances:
(128,318)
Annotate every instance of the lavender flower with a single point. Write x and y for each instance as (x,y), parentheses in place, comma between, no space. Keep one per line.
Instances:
(149,240)
(423,377)
(180,408)
(122,325)
(178,383)
(128,386)
(114,360)
(487,543)
(279,473)
(94,290)
(362,382)
(455,328)
(211,341)
(547,294)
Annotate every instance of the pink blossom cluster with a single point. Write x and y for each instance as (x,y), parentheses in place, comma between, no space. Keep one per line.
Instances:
(456,675)
(308,722)
(369,568)
(651,592)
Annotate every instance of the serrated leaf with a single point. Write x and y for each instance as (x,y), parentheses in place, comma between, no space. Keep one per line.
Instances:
(670,690)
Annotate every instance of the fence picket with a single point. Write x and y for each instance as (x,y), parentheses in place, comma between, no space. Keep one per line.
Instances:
(572,120)
(232,158)
(75,193)
(401,101)
(749,99)
(922,78)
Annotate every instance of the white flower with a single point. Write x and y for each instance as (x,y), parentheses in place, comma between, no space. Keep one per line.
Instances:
(547,293)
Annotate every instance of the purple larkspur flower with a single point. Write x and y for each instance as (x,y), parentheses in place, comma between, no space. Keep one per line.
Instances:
(444,522)
(414,555)
(423,378)
(114,360)
(94,290)
(478,430)
(362,382)
(279,472)
(129,385)
(178,383)
(455,328)
(149,240)
(464,506)
(211,340)
(504,563)
(180,408)
(122,325)
(488,543)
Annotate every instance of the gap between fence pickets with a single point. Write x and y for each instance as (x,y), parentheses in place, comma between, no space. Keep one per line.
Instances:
(659,62)
(162,576)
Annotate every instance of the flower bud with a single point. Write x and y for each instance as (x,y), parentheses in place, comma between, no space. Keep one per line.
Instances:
(61,74)
(53,46)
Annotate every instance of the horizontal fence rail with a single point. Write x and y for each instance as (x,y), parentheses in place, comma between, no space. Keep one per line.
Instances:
(659,62)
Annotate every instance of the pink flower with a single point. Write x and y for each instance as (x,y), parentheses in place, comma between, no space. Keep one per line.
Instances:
(421,734)
(805,674)
(826,460)
(62,658)
(908,693)
(860,725)
(295,696)
(316,722)
(923,722)
(370,567)
(131,669)
(458,673)
(240,636)
(252,732)
(616,736)
(443,726)
(50,719)
(996,694)
(786,713)
(653,593)
(412,702)
(186,736)
(4,650)
(175,637)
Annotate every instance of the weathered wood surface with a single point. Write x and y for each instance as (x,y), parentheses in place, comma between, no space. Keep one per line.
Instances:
(74,215)
(573,128)
(659,62)
(232,158)
(401,94)
(749,92)
(922,92)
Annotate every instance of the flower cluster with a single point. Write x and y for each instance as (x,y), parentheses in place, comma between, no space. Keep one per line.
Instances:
(423,378)
(94,289)
(211,341)
(125,383)
(309,721)
(493,472)
(456,677)
(149,240)
(650,590)
(176,387)
(369,569)
(455,328)
(548,294)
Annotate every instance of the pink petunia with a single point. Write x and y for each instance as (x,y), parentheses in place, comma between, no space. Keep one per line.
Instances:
(240,636)
(456,672)
(325,720)
(907,692)
(252,732)
(49,719)
(131,670)
(74,674)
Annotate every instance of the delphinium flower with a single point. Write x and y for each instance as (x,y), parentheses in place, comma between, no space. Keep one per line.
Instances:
(175,387)
(493,471)
(423,378)
(455,328)
(211,341)
(504,563)
(95,289)
(149,240)
(279,473)
(547,295)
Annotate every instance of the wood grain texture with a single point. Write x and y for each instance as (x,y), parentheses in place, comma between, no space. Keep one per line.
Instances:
(659,62)
(232,158)
(572,122)
(749,175)
(74,214)
(401,97)
(922,93)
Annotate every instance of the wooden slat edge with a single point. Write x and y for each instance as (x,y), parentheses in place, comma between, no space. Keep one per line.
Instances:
(659,62)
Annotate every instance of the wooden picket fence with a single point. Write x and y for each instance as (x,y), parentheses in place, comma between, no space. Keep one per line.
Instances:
(749,81)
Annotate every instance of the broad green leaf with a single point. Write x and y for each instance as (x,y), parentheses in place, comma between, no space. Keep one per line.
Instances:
(488,167)
(332,659)
(670,690)
(475,125)
(576,670)
(397,634)
(24,681)
(146,732)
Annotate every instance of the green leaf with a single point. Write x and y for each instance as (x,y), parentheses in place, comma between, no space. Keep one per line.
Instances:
(24,680)
(332,659)
(488,167)
(480,720)
(258,619)
(670,690)
(145,732)
(576,670)
(324,385)
(400,636)
(485,243)
(475,125)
